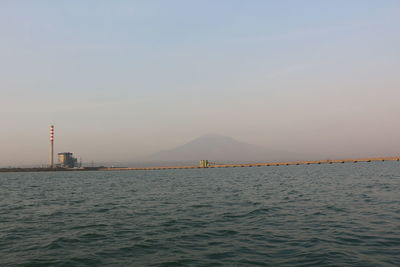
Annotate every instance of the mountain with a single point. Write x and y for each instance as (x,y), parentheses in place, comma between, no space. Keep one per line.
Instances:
(219,148)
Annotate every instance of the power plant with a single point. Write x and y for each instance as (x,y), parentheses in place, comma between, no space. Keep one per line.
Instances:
(67,162)
(65,159)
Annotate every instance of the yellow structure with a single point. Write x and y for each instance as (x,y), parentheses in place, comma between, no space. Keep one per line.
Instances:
(203,163)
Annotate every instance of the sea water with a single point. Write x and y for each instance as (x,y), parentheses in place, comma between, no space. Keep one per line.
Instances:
(321,215)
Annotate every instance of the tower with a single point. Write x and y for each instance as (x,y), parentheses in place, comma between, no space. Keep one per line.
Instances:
(51,156)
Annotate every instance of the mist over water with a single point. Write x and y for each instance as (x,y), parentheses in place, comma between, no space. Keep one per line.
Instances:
(322,215)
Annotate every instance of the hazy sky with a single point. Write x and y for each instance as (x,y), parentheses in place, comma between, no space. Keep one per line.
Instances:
(123,79)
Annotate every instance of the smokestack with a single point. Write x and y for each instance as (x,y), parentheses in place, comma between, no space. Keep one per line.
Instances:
(51,159)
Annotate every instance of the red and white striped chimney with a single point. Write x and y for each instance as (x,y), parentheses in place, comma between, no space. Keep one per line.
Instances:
(51,160)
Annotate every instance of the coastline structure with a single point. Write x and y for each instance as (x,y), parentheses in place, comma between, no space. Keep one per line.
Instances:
(204,164)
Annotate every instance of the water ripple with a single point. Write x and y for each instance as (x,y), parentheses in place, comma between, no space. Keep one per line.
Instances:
(325,215)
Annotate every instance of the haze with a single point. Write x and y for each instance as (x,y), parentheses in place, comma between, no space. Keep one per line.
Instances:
(121,80)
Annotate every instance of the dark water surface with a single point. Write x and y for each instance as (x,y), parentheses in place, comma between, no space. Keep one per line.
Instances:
(322,215)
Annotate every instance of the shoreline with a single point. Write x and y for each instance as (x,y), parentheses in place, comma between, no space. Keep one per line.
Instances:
(289,163)
(38,169)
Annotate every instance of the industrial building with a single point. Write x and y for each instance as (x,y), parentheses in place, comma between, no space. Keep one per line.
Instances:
(67,160)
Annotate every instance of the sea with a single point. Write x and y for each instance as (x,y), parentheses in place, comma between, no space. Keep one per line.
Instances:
(317,215)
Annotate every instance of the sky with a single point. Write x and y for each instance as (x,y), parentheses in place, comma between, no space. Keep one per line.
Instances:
(121,80)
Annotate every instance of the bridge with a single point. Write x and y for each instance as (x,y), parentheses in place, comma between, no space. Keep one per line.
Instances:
(289,163)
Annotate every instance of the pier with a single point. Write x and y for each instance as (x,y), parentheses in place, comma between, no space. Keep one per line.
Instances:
(289,163)
(204,164)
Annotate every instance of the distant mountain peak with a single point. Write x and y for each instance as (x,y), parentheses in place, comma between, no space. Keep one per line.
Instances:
(216,147)
(212,136)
